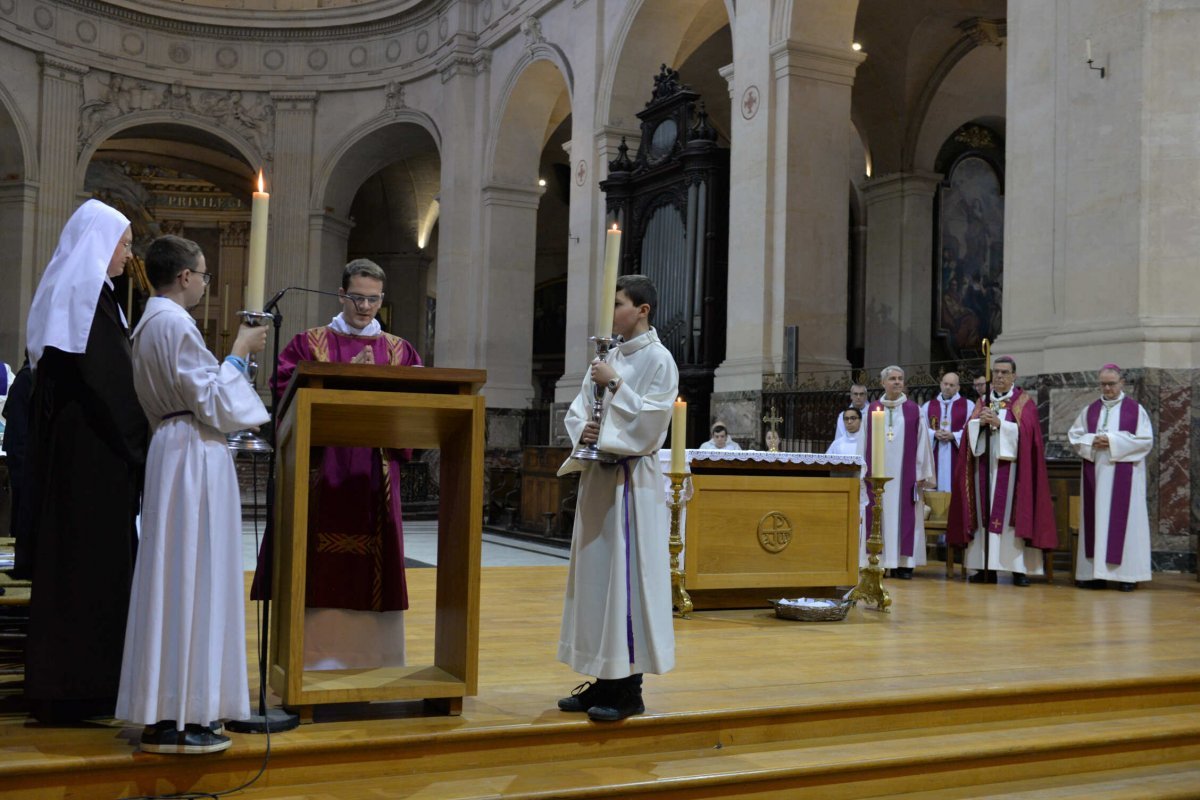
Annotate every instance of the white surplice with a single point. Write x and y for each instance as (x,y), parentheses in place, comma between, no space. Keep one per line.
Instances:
(185,643)
(890,558)
(1122,447)
(1006,551)
(945,450)
(593,639)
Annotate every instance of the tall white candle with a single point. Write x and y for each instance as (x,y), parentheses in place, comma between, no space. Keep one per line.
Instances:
(678,436)
(1088,43)
(878,454)
(608,291)
(256,269)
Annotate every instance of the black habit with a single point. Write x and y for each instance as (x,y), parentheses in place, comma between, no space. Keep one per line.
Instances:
(88,451)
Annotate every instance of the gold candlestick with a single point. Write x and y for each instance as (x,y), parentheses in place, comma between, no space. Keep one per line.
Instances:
(681,602)
(870,578)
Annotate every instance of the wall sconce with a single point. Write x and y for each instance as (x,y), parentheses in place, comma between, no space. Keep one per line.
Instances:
(1101,70)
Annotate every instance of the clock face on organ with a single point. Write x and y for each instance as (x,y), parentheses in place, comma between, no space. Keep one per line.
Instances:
(663,139)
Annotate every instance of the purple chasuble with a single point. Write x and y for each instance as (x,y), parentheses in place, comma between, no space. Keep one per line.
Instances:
(1003,474)
(958,420)
(1122,487)
(908,473)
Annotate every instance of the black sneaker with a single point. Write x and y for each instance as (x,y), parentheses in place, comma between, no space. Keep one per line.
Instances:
(624,701)
(163,739)
(586,695)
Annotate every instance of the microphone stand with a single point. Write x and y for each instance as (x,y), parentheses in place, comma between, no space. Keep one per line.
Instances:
(269,719)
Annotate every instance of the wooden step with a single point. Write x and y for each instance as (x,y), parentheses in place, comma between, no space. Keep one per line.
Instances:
(1162,781)
(857,765)
(352,750)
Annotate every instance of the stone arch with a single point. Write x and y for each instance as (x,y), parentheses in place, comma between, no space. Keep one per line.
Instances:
(969,84)
(650,34)
(362,152)
(536,98)
(377,195)
(17,147)
(164,122)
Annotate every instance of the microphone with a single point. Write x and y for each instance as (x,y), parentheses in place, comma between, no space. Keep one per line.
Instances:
(274,301)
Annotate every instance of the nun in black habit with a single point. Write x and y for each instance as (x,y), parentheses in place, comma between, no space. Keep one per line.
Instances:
(88,447)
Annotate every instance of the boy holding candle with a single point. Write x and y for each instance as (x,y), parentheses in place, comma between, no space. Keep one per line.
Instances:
(617,611)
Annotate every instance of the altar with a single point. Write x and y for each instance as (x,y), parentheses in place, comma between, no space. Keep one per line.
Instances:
(765,525)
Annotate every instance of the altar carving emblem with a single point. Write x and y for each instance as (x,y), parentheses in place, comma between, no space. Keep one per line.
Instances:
(774,532)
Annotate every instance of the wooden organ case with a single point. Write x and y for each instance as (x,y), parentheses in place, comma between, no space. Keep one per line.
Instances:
(672,202)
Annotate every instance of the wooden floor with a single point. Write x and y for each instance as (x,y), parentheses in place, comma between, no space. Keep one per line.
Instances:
(849,709)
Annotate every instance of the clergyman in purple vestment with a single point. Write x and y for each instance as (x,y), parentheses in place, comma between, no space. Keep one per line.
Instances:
(355,590)
(1113,436)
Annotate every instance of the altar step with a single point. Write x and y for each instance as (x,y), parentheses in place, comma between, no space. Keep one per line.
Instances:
(1099,741)
(1079,753)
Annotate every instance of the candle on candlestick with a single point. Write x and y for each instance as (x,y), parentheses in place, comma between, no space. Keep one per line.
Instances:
(225,307)
(608,290)
(878,454)
(256,268)
(678,436)
(1088,43)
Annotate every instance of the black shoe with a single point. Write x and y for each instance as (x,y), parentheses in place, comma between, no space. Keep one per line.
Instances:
(903,573)
(1096,584)
(981,577)
(164,739)
(586,695)
(1124,586)
(1020,579)
(624,701)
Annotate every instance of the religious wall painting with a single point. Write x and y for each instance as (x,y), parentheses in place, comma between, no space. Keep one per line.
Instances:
(969,260)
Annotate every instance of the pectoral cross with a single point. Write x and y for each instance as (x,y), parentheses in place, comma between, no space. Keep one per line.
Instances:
(773,419)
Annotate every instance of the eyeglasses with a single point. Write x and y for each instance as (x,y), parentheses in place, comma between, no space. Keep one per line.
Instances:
(204,276)
(364,300)
(1110,384)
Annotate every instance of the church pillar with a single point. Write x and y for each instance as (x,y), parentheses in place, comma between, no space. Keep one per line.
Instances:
(461,299)
(590,147)
(329,238)
(290,185)
(510,248)
(62,93)
(789,203)
(899,268)
(17,203)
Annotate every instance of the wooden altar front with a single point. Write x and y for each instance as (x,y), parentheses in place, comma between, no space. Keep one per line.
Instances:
(757,530)
(394,407)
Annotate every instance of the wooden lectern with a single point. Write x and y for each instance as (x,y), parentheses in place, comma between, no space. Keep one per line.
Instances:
(353,405)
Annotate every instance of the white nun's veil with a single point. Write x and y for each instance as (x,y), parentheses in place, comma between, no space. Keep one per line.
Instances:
(65,302)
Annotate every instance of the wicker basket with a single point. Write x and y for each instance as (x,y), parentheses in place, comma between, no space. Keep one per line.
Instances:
(828,611)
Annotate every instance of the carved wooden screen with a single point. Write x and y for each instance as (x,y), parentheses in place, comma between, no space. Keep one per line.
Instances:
(672,201)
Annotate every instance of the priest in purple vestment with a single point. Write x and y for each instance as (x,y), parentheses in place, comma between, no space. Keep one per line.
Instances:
(355,590)
(946,416)
(910,465)
(1019,523)
(1113,436)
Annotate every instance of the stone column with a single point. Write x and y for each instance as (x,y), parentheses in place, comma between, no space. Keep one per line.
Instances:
(789,202)
(289,260)
(328,238)
(510,248)
(461,302)
(58,128)
(899,267)
(17,203)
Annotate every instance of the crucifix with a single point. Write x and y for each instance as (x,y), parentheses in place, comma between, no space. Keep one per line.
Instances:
(773,419)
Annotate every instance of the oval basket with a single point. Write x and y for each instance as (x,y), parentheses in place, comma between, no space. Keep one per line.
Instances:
(834,613)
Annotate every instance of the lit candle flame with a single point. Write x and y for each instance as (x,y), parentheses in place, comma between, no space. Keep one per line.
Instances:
(260,180)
